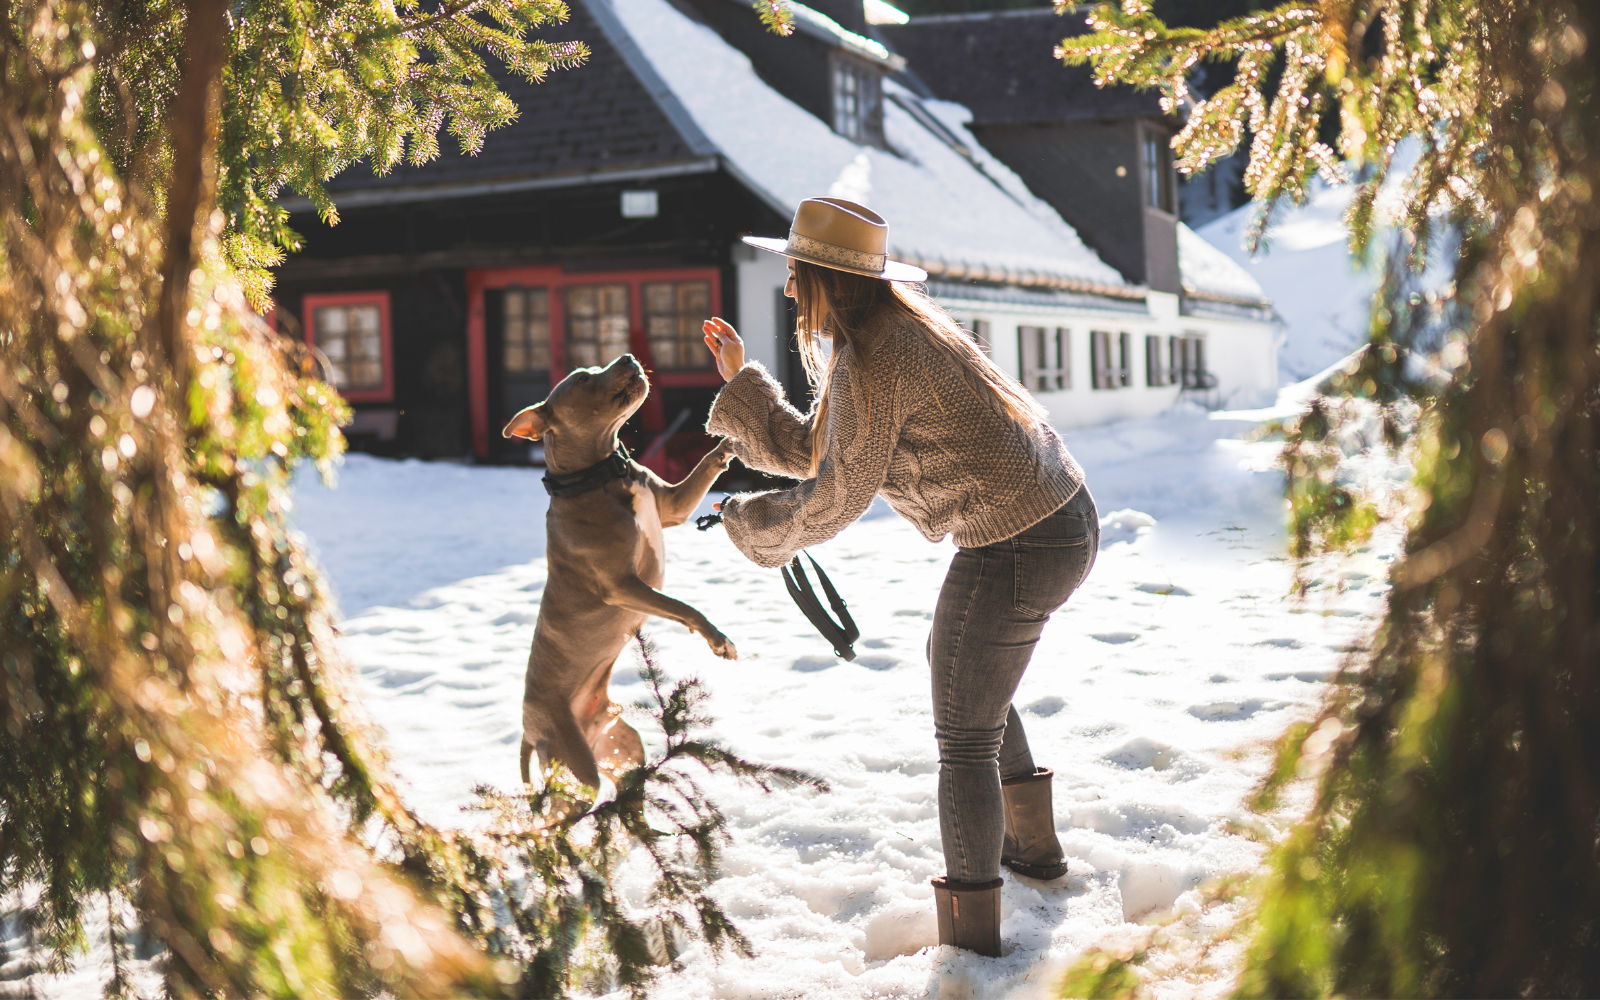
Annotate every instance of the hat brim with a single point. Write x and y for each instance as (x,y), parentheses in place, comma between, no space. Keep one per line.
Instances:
(893,270)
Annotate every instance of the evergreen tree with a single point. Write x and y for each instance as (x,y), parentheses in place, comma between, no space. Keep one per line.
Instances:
(176,728)
(1451,849)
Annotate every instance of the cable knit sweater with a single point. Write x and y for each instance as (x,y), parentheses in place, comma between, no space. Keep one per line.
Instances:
(939,447)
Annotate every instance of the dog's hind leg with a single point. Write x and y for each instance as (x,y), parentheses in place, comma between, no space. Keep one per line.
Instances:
(616,745)
(552,731)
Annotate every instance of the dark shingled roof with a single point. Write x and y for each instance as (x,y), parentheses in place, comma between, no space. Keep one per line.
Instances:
(596,117)
(1000,64)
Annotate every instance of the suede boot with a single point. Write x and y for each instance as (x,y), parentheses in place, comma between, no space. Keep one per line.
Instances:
(969,914)
(1031,847)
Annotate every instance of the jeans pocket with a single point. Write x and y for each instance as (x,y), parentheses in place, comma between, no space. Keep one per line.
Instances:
(1048,570)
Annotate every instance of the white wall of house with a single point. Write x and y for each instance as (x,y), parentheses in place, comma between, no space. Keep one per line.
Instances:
(1242,354)
(760,278)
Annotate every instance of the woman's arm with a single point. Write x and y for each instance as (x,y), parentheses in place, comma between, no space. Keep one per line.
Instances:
(767,433)
(769,528)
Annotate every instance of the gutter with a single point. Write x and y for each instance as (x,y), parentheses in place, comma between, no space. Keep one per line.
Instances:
(472,189)
(938,268)
(1232,300)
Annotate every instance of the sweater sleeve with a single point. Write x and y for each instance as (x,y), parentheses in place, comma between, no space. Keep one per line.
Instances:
(767,433)
(769,528)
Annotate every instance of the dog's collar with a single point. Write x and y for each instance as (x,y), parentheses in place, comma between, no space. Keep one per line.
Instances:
(614,466)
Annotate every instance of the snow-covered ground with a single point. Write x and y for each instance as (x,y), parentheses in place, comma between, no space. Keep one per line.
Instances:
(1155,694)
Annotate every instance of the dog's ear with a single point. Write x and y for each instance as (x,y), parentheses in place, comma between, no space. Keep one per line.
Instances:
(530,423)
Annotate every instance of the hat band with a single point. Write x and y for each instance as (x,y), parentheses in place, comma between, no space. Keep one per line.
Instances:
(828,253)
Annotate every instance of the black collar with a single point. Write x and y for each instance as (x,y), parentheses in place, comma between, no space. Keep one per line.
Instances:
(616,465)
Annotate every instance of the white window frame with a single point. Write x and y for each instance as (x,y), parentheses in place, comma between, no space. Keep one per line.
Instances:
(1045,357)
(856,88)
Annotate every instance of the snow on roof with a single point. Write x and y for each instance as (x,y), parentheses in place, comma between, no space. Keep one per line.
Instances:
(1210,273)
(945,213)
(817,23)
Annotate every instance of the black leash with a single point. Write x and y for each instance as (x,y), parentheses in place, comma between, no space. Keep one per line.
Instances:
(842,635)
(616,465)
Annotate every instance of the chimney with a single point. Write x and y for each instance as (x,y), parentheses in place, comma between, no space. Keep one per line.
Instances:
(851,14)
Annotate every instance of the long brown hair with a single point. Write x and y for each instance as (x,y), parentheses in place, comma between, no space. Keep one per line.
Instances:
(837,303)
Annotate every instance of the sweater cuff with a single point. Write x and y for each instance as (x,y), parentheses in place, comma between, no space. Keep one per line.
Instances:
(739,533)
(743,403)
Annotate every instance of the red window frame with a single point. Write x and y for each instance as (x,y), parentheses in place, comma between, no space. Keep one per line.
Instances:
(558,281)
(308,307)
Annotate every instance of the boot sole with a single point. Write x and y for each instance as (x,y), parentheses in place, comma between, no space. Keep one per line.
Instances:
(1048,873)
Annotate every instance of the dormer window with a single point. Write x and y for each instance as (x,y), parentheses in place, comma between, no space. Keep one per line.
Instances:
(1158,180)
(857,100)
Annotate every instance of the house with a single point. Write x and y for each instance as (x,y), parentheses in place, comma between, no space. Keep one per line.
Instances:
(607,219)
(1101,157)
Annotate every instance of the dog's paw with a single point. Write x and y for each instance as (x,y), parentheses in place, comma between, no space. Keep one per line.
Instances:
(721,645)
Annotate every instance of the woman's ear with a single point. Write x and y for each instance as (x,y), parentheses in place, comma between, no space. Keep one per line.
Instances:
(530,424)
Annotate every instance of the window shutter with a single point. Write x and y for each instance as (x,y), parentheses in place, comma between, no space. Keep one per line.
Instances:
(980,333)
(1029,355)
(1097,359)
(1153,375)
(1063,358)
(1125,359)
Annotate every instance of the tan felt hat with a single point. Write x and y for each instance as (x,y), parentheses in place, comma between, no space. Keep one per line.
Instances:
(842,235)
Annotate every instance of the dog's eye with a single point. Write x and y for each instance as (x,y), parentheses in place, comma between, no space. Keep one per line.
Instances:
(582,379)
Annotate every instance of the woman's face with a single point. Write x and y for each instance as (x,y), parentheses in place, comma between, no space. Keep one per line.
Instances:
(788,288)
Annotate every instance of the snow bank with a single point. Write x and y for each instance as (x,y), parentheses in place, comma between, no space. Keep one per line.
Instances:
(1323,293)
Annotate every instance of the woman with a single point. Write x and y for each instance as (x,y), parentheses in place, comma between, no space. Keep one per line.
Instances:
(908,407)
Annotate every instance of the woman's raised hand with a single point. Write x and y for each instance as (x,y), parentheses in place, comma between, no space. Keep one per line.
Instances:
(722,340)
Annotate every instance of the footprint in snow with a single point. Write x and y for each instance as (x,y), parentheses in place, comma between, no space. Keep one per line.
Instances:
(1046,706)
(812,663)
(394,678)
(1282,643)
(1142,752)
(517,618)
(1309,676)
(1114,638)
(1163,589)
(376,628)
(1232,711)
(876,661)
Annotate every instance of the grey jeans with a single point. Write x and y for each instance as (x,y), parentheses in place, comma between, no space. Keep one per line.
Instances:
(993,605)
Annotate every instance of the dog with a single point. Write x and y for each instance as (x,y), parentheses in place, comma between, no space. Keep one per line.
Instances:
(605,562)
